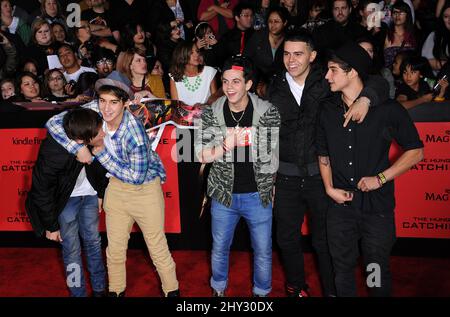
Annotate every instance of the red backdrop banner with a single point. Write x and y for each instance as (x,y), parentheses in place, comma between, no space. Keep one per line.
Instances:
(19,150)
(422,194)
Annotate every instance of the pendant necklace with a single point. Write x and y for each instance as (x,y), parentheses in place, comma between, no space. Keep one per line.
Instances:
(237,121)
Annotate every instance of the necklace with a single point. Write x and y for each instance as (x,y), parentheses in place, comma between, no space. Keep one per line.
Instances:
(237,121)
(192,87)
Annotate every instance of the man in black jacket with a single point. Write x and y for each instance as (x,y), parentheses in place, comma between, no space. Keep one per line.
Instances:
(65,200)
(233,41)
(297,94)
(339,30)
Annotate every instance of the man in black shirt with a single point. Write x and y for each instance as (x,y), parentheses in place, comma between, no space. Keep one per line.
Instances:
(297,93)
(357,175)
(234,41)
(98,18)
(123,12)
(340,29)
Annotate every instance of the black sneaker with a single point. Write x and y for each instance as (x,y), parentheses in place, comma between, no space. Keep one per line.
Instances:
(175,293)
(296,292)
(218,293)
(114,294)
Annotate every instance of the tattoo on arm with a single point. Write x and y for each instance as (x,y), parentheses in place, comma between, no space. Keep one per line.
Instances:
(324,160)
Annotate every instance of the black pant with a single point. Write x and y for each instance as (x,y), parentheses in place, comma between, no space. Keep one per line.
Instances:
(376,231)
(293,197)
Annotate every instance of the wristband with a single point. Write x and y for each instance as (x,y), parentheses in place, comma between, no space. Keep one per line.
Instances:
(439,99)
(382,179)
(379,181)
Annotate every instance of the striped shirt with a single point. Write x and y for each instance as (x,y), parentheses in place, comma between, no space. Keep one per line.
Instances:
(136,163)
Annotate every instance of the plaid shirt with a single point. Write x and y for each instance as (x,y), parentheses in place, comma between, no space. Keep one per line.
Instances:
(136,163)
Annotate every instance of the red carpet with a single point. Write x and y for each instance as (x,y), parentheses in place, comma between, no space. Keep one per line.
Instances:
(39,272)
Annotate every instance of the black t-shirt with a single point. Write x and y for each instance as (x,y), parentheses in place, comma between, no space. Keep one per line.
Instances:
(122,13)
(96,18)
(410,93)
(244,175)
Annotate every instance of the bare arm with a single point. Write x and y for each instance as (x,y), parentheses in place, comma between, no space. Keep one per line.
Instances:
(173,90)
(408,104)
(436,64)
(326,172)
(439,7)
(213,87)
(407,160)
(215,96)
(208,14)
(402,165)
(226,12)
(102,32)
(340,196)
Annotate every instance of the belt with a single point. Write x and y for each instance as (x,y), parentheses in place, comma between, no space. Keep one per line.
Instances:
(291,169)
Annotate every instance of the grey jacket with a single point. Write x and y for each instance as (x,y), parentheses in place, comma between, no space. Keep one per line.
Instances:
(265,132)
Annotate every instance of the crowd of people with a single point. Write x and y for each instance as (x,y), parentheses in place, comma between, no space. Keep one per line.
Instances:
(414,33)
(279,76)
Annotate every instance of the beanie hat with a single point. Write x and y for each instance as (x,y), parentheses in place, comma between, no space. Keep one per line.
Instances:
(356,57)
(116,79)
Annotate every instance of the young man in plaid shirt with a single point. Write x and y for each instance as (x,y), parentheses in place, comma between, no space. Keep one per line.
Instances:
(134,192)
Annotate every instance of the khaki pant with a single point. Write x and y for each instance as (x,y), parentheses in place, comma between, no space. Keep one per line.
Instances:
(125,204)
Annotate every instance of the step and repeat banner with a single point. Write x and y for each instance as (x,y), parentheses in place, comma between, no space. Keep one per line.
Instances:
(422,194)
(19,150)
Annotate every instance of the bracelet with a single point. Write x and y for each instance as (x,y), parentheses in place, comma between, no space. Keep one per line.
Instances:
(379,181)
(224,146)
(381,178)
(439,99)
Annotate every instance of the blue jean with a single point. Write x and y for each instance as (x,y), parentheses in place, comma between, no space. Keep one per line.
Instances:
(223,225)
(80,218)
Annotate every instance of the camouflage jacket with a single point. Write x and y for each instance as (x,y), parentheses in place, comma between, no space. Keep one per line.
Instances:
(264,147)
